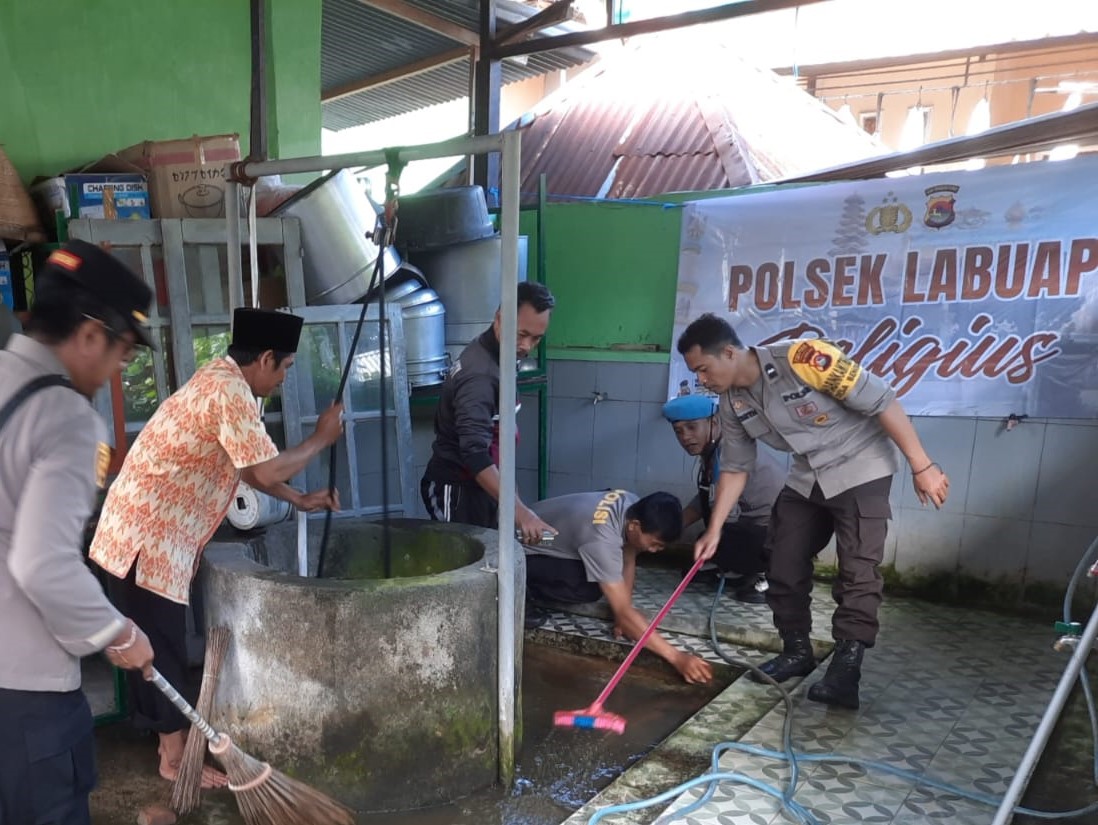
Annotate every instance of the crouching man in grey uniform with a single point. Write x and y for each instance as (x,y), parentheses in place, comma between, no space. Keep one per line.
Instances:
(88,317)
(840,423)
(595,553)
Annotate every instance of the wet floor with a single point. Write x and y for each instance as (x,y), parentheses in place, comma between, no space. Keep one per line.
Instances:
(1066,775)
(558,769)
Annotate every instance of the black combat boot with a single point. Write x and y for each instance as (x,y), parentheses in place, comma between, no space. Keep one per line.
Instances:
(839,686)
(796,659)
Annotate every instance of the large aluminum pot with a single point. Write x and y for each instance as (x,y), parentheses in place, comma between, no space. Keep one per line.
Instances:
(467,279)
(442,217)
(336,218)
(424,320)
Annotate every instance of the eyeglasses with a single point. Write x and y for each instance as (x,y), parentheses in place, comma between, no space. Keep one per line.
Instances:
(114,335)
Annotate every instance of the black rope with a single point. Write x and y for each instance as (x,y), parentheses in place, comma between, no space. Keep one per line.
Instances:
(383,235)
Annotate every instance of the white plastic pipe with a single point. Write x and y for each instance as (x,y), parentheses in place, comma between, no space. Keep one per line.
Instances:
(476,145)
(232,243)
(508,369)
(253,247)
(302,544)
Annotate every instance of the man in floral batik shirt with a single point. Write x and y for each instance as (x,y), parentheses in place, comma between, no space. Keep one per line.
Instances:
(175,487)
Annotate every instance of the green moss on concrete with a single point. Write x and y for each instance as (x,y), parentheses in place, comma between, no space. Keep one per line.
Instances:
(1003,594)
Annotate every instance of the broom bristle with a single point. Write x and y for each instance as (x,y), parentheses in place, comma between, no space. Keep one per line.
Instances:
(269,797)
(187,788)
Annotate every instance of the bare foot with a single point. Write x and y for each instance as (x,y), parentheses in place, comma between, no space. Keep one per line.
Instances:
(156,815)
(211,776)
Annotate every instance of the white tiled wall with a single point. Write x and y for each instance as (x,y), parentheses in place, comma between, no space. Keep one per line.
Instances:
(1023,504)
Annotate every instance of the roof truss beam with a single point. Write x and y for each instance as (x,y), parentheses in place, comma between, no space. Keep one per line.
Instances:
(655,24)
(1035,134)
(553,15)
(421,17)
(399,73)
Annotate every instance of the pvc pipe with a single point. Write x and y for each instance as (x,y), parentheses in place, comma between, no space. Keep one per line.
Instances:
(302,544)
(509,216)
(232,244)
(1048,722)
(253,247)
(478,144)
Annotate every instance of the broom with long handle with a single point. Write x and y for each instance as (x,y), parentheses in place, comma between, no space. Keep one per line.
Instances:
(265,796)
(186,790)
(594,715)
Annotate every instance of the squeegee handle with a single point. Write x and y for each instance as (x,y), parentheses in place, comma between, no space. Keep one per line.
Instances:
(648,631)
(181,704)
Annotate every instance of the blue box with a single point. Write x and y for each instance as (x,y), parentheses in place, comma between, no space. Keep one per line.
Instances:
(7,293)
(103,195)
(113,196)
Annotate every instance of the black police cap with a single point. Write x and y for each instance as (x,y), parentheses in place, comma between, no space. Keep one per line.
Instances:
(259,330)
(108,280)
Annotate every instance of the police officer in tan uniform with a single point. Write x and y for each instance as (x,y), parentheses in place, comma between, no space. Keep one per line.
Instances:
(87,320)
(842,425)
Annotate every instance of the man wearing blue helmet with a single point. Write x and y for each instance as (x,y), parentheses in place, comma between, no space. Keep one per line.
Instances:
(740,554)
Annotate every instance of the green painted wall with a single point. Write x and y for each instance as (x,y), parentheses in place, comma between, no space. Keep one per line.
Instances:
(613,269)
(80,78)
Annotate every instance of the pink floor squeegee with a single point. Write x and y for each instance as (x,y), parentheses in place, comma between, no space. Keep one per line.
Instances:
(595,716)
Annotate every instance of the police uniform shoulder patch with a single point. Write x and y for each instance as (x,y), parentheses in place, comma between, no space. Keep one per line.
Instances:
(102,462)
(824,367)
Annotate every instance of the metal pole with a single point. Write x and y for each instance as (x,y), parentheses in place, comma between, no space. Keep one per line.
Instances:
(478,144)
(509,216)
(1048,722)
(232,246)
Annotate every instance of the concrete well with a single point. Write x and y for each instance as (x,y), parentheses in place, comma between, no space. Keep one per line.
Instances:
(382,692)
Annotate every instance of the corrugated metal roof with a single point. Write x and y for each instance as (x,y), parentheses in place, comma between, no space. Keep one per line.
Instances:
(360,41)
(644,177)
(652,120)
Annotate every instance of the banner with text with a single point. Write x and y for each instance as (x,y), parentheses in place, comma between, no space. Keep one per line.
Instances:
(972,293)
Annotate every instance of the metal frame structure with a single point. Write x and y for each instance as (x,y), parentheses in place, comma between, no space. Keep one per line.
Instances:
(172,236)
(509,145)
(344,317)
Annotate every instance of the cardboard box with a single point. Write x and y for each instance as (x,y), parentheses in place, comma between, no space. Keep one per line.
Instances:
(186,177)
(7,293)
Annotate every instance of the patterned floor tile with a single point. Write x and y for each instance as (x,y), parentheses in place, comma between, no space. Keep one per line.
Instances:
(988,774)
(934,702)
(924,806)
(853,775)
(730,805)
(831,803)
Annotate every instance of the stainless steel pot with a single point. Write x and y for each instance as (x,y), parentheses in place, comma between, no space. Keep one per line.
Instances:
(467,279)
(336,218)
(442,217)
(424,320)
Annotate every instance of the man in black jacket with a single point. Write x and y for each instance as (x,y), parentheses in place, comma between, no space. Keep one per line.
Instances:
(461,482)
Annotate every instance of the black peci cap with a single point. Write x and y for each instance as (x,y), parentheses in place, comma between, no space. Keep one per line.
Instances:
(259,330)
(108,280)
